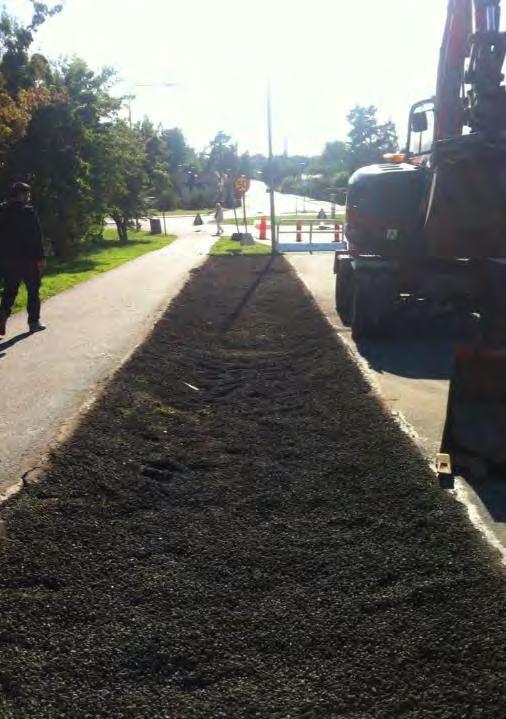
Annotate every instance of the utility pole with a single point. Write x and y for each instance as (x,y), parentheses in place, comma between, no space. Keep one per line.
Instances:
(271,170)
(131,97)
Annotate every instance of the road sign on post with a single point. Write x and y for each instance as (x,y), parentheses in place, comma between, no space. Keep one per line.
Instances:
(241,186)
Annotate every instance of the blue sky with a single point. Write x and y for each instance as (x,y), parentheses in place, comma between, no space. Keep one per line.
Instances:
(322,57)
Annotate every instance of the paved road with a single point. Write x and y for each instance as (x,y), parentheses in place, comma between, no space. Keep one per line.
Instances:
(412,376)
(50,376)
(258,205)
(257,202)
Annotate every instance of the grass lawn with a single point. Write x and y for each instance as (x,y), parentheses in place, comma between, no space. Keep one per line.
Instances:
(62,274)
(302,217)
(225,247)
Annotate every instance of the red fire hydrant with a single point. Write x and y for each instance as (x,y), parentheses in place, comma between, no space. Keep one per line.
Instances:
(262,229)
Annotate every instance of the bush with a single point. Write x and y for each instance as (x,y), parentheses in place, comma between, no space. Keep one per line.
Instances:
(198,198)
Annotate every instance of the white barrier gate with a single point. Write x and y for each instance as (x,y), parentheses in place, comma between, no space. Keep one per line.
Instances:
(310,236)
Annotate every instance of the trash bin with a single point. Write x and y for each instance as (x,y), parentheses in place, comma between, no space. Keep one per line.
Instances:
(155,226)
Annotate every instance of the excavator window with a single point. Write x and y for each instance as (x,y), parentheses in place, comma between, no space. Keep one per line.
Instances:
(421,131)
(419,122)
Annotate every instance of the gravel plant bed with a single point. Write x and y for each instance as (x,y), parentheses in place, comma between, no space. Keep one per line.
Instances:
(238,529)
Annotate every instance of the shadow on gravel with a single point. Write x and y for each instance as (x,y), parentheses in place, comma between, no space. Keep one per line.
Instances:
(234,315)
(408,357)
(13,341)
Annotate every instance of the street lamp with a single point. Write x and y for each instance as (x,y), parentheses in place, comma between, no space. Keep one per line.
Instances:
(131,96)
(271,169)
(302,165)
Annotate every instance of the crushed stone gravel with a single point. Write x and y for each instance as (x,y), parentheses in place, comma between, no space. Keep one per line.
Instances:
(239,529)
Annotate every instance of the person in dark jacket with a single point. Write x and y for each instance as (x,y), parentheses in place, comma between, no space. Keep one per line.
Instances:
(21,255)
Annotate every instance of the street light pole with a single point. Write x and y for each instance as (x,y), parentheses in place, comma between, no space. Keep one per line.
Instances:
(129,99)
(302,181)
(271,170)
(144,84)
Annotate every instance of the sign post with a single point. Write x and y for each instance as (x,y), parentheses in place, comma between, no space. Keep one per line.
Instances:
(241,186)
(332,198)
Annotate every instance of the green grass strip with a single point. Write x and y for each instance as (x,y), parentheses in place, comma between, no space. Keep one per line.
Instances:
(62,274)
(225,247)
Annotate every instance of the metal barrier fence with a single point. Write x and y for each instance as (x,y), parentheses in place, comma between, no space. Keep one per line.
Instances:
(314,230)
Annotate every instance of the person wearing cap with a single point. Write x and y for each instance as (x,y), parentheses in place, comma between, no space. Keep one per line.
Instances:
(21,255)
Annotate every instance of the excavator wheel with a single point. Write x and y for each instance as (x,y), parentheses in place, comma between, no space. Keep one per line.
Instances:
(373,304)
(344,289)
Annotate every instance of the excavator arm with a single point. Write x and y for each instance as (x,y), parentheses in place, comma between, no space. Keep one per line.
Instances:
(452,60)
(472,54)
(486,106)
(467,218)
(465,207)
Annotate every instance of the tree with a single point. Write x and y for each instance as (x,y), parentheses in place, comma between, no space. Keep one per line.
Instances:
(21,76)
(223,154)
(223,162)
(123,174)
(369,140)
(246,166)
(176,150)
(50,116)
(335,157)
(18,72)
(59,153)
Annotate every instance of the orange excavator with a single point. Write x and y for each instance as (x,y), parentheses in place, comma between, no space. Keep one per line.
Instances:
(429,226)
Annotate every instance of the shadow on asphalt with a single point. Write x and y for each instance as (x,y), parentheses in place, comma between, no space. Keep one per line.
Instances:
(419,346)
(492,492)
(414,358)
(422,348)
(13,341)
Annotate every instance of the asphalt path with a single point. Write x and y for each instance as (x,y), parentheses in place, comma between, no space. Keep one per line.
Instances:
(49,377)
(411,373)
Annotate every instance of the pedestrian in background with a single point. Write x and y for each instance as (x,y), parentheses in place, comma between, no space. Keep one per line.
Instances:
(21,255)
(218,216)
